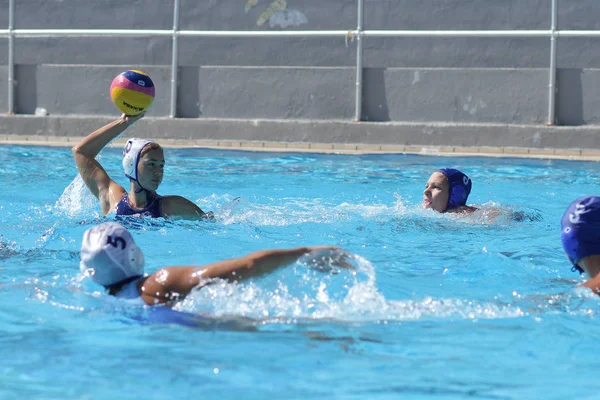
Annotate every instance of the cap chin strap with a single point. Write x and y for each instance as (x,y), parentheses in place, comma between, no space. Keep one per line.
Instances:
(141,189)
(577,268)
(125,281)
(131,179)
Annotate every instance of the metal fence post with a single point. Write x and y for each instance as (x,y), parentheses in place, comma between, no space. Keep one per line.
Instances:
(11,57)
(552,72)
(174,60)
(359,66)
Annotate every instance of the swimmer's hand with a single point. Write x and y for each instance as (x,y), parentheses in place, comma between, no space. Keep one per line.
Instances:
(209,216)
(132,119)
(327,258)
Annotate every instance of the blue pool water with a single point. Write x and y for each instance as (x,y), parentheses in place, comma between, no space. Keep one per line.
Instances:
(482,307)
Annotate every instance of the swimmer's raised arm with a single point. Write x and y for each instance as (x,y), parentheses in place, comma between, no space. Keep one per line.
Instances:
(91,145)
(176,282)
(92,173)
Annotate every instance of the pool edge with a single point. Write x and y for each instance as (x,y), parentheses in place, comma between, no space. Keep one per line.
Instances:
(331,148)
(339,136)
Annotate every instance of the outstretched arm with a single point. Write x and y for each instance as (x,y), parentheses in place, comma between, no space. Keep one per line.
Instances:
(593,284)
(173,283)
(254,264)
(92,173)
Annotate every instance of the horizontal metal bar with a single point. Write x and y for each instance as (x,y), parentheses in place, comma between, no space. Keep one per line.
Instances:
(266,33)
(461,33)
(50,33)
(153,32)
(578,33)
(90,32)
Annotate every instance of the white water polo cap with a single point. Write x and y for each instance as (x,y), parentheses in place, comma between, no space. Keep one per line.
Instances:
(131,156)
(109,254)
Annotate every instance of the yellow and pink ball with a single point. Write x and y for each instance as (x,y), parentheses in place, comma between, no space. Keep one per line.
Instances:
(132,92)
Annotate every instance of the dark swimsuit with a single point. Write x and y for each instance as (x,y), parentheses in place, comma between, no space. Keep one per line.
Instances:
(154,209)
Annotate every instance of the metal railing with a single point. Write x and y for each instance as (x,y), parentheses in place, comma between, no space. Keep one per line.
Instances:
(359,34)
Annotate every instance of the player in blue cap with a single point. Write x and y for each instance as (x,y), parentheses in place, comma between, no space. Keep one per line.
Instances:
(143,163)
(447,190)
(580,235)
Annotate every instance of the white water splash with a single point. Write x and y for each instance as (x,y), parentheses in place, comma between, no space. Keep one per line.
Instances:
(297,211)
(353,298)
(76,200)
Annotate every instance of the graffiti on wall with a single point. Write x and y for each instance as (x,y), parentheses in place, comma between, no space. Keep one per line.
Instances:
(277,14)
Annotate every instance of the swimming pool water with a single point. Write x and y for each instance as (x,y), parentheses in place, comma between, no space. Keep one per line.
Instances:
(482,306)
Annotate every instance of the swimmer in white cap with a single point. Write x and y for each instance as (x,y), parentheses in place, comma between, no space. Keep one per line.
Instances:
(143,162)
(111,258)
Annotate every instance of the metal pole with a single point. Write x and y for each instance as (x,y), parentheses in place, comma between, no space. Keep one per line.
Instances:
(11,57)
(174,60)
(359,64)
(79,33)
(552,83)
(464,34)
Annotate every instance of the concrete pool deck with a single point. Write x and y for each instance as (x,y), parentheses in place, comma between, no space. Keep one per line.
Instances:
(344,137)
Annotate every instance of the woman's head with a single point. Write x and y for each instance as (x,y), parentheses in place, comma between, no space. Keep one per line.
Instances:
(580,231)
(446,189)
(109,255)
(143,162)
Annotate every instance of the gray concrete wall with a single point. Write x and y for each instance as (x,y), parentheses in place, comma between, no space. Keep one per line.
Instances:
(456,95)
(426,80)
(490,95)
(310,15)
(3,89)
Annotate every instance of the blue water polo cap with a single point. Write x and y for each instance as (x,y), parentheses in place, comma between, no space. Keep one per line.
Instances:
(459,187)
(580,229)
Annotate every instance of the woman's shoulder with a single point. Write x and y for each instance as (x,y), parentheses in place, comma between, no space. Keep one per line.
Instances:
(463,210)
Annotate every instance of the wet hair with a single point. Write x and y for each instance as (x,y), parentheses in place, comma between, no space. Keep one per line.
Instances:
(150,146)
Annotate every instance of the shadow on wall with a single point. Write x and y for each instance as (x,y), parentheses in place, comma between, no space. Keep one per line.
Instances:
(188,93)
(26,89)
(375,103)
(569,99)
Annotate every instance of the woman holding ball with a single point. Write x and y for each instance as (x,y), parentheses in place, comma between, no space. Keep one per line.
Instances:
(143,162)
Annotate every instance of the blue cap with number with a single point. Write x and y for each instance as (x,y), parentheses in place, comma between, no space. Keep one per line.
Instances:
(459,187)
(109,255)
(580,229)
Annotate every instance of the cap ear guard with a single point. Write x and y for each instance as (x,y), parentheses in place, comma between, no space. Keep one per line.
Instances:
(570,246)
(459,187)
(457,197)
(131,156)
